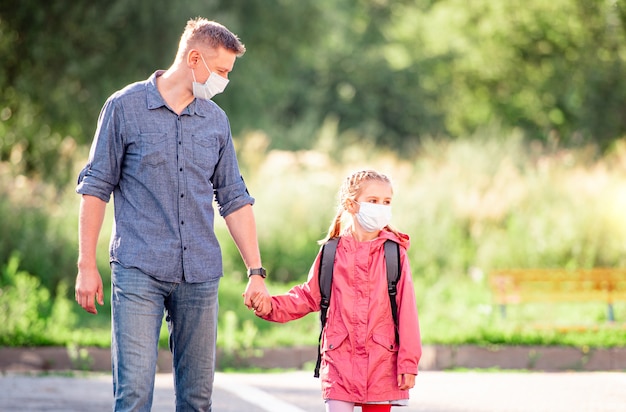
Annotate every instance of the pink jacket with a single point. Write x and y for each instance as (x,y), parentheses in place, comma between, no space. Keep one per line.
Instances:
(360,358)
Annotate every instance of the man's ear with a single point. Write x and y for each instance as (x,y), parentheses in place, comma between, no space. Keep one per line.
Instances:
(193,58)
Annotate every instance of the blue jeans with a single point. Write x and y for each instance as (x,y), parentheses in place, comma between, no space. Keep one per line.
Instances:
(138,303)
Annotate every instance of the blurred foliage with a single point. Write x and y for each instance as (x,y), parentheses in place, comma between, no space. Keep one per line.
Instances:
(501,123)
(486,201)
(38,221)
(27,314)
(388,72)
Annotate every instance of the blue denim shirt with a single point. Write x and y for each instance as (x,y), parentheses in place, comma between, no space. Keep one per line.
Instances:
(164,171)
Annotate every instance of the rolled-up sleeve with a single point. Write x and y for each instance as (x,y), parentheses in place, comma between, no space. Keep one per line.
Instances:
(233,197)
(101,173)
(230,189)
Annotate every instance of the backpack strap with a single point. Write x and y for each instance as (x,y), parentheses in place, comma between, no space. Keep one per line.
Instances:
(392,260)
(325,275)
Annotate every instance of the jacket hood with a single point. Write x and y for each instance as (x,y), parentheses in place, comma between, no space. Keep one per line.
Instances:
(401,239)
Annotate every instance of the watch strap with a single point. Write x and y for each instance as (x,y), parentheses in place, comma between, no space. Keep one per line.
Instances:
(257,272)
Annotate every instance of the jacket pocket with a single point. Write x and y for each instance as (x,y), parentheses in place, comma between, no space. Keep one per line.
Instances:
(330,342)
(387,342)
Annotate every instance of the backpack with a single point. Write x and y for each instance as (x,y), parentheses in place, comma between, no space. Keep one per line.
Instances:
(327,262)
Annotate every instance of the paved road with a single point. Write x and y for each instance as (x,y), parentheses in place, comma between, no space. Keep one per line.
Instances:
(299,392)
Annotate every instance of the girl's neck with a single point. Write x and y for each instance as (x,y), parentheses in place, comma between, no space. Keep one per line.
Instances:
(361,235)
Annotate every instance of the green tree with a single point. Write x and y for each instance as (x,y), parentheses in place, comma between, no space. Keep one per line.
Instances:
(390,72)
(549,68)
(61,59)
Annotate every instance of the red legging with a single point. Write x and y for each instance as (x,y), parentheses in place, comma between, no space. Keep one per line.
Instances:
(376,408)
(343,406)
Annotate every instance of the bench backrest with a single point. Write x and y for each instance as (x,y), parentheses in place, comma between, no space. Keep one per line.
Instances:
(558,285)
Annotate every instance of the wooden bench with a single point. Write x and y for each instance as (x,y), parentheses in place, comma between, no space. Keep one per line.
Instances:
(514,286)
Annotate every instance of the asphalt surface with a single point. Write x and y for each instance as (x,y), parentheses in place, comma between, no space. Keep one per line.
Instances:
(472,391)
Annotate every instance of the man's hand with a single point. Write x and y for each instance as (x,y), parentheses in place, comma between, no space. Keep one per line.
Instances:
(88,289)
(88,281)
(256,297)
(259,304)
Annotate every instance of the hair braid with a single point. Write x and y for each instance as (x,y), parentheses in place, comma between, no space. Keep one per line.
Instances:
(350,189)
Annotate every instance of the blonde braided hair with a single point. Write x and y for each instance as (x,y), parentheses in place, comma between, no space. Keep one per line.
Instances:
(350,189)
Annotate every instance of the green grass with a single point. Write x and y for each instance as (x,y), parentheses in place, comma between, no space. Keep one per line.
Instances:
(469,206)
(451,312)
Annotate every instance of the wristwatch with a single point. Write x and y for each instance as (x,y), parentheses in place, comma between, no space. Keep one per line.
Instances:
(258,272)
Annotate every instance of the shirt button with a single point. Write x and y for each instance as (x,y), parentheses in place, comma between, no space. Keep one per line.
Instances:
(331,346)
(181,169)
(182,222)
(182,195)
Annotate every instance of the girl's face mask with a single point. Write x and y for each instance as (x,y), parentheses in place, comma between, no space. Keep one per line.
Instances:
(215,84)
(373,217)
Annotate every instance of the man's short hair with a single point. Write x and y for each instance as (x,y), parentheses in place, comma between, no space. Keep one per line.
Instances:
(200,31)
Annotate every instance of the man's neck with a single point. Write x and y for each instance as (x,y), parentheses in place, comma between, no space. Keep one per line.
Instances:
(174,87)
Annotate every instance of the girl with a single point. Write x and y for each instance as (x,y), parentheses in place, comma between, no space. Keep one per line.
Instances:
(361,363)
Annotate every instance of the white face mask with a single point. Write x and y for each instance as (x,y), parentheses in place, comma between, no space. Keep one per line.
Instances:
(215,84)
(373,217)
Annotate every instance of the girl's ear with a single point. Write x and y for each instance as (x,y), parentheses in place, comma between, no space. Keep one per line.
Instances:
(351,206)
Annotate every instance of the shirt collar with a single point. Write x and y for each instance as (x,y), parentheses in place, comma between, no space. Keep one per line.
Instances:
(155,100)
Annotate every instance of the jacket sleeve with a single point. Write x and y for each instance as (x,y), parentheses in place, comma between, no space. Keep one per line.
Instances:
(299,301)
(410,349)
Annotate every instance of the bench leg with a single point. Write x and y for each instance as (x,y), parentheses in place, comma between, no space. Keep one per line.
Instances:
(610,313)
(503,311)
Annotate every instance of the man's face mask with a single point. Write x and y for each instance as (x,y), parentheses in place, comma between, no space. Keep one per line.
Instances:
(215,84)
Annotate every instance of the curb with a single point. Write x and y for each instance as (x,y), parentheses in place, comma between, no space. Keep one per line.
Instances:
(434,358)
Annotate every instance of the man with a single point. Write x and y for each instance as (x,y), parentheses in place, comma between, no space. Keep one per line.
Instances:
(165,150)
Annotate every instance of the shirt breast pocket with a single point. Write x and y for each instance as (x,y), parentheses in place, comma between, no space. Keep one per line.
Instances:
(205,151)
(153,148)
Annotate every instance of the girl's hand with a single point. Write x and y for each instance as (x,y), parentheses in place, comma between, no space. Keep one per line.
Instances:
(261,304)
(406,381)
(256,297)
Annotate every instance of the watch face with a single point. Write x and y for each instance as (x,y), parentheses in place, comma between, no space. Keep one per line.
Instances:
(259,272)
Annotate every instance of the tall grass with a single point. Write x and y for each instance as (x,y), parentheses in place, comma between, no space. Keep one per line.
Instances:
(474,204)
(470,206)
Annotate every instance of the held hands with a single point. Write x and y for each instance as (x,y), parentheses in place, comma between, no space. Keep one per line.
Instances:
(406,381)
(256,297)
(261,305)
